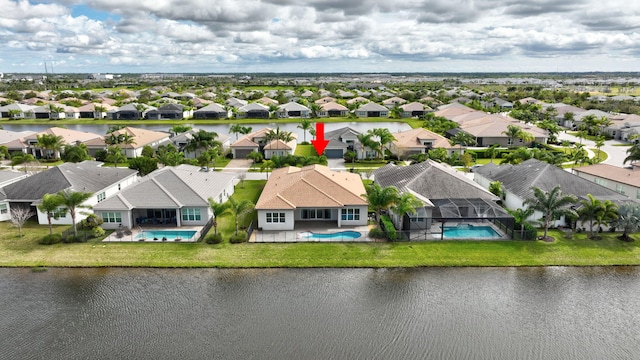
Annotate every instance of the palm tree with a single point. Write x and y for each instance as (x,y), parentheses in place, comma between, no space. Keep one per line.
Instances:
(75,153)
(236,129)
(380,198)
(628,220)
(512,132)
(520,216)
(73,200)
(315,109)
(365,140)
(238,209)
(384,136)
(633,154)
(202,140)
(115,155)
(267,165)
(609,213)
(590,210)
(51,143)
(218,209)
(462,138)
(407,203)
(599,144)
(551,204)
(99,109)
(50,204)
(255,156)
(492,151)
(305,125)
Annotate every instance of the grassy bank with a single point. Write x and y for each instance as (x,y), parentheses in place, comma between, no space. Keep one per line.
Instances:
(25,251)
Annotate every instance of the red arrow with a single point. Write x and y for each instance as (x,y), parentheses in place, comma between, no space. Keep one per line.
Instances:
(320,143)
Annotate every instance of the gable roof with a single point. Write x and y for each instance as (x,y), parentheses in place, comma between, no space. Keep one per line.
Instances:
(520,179)
(87,176)
(338,134)
(372,107)
(621,175)
(431,180)
(212,107)
(411,139)
(68,136)
(332,105)
(311,186)
(170,187)
(293,106)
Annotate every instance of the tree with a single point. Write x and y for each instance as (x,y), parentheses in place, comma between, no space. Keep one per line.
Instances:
(520,216)
(236,129)
(267,165)
(305,125)
(50,144)
(495,187)
(407,203)
(384,137)
(115,155)
(255,156)
(218,209)
(19,216)
(552,204)
(75,153)
(462,138)
(633,154)
(179,129)
(50,204)
(365,140)
(492,151)
(589,211)
(513,132)
(628,220)
(380,198)
(239,208)
(72,201)
(143,164)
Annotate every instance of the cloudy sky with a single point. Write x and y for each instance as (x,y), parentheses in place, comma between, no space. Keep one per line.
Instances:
(216,36)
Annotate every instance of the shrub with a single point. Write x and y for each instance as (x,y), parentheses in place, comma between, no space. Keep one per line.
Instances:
(97,232)
(92,221)
(388,227)
(50,239)
(240,238)
(101,155)
(213,238)
(377,233)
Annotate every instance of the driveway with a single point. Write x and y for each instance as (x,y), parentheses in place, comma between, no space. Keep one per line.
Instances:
(616,154)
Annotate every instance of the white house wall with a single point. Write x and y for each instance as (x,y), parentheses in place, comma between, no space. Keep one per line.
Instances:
(287,225)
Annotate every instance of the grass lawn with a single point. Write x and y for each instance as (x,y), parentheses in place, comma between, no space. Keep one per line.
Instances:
(601,155)
(579,251)
(305,150)
(484,161)
(246,190)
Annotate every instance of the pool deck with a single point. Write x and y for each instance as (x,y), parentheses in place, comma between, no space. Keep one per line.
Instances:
(322,227)
(113,237)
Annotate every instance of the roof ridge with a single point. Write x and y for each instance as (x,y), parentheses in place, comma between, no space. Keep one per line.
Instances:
(167,192)
(323,192)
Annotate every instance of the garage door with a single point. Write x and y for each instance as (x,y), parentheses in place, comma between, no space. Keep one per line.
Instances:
(242,153)
(333,153)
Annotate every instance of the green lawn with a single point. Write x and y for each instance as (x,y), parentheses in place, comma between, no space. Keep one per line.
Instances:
(601,155)
(245,190)
(305,150)
(484,161)
(25,251)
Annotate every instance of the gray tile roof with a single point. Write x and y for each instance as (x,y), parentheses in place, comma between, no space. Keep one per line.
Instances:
(431,180)
(87,176)
(520,179)
(170,187)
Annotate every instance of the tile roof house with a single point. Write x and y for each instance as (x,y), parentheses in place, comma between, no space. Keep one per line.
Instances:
(141,138)
(393,101)
(622,180)
(447,195)
(211,111)
(130,112)
(28,144)
(345,139)
(172,196)
(17,111)
(183,139)
(414,109)
(294,196)
(253,111)
(293,109)
(623,126)
(519,180)
(168,112)
(324,100)
(418,141)
(257,141)
(8,137)
(372,110)
(95,111)
(490,129)
(331,109)
(87,176)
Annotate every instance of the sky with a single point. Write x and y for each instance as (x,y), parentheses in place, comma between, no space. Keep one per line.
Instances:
(318,36)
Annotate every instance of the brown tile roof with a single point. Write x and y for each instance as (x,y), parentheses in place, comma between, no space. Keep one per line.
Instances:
(409,139)
(311,186)
(68,136)
(622,175)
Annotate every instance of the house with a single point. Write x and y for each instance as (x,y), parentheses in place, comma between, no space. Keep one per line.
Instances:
(248,143)
(519,180)
(324,100)
(447,194)
(181,141)
(253,111)
(140,139)
(393,102)
(372,110)
(235,102)
(268,101)
(332,109)
(211,111)
(168,112)
(95,111)
(295,196)
(171,196)
(622,180)
(131,112)
(499,103)
(418,141)
(12,139)
(17,111)
(7,178)
(490,129)
(346,139)
(623,126)
(29,144)
(293,109)
(414,109)
(357,100)
(87,176)
(280,148)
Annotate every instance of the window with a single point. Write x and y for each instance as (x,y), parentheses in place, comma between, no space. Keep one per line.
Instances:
(620,188)
(638,195)
(3,208)
(417,219)
(102,196)
(276,217)
(600,181)
(315,214)
(111,217)
(510,141)
(350,214)
(191,214)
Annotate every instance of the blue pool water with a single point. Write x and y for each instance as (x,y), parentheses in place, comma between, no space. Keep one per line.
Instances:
(340,235)
(170,235)
(470,232)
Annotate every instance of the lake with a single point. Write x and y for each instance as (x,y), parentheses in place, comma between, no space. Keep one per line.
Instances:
(425,313)
(220,128)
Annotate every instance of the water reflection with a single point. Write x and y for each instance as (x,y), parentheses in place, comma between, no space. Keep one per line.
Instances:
(458,313)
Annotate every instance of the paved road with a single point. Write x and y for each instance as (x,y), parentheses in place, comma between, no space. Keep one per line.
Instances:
(616,154)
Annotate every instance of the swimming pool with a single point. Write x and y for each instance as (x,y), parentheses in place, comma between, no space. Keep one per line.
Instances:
(470,232)
(340,235)
(166,235)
